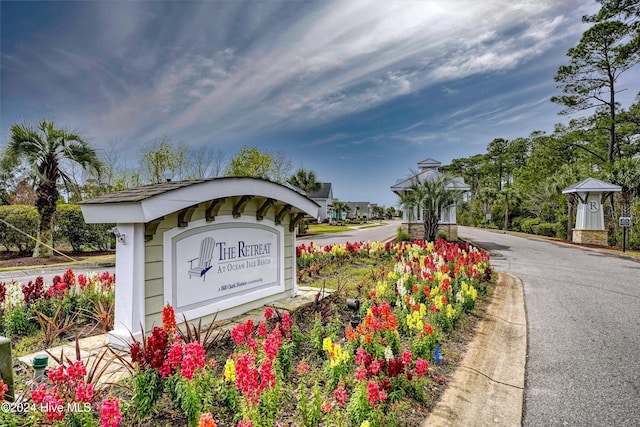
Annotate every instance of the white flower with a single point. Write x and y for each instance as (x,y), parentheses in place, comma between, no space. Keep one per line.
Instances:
(388,353)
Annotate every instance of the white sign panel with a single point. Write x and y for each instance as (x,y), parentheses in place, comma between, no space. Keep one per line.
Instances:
(223,265)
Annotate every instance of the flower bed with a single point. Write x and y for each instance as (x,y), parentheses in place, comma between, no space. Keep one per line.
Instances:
(50,311)
(296,369)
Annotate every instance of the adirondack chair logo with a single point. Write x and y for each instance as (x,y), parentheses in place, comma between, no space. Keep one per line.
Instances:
(198,267)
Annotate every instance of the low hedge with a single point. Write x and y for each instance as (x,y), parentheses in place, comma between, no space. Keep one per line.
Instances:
(68,228)
(22,217)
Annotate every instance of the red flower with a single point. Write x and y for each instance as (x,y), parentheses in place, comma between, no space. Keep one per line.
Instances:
(169,319)
(428,329)
(268,313)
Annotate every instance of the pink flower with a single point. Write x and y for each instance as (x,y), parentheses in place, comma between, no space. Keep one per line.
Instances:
(374,394)
(247,377)
(286,321)
(422,367)
(374,368)
(175,355)
(245,423)
(262,330)
(84,394)
(302,367)
(326,407)
(267,377)
(268,313)
(361,373)
(193,358)
(273,343)
(3,389)
(110,412)
(340,394)
(406,357)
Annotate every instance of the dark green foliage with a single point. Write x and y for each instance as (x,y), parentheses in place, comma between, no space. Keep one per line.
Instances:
(69,226)
(22,217)
(545,229)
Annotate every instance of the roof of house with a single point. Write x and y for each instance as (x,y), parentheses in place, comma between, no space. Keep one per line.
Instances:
(143,204)
(323,193)
(591,185)
(428,171)
(429,163)
(363,206)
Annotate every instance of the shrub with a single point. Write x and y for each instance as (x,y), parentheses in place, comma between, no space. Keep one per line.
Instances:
(70,227)
(527,225)
(545,229)
(402,235)
(24,218)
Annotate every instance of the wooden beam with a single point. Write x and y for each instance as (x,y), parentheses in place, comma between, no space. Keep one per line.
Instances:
(285,209)
(184,216)
(214,208)
(151,227)
(238,208)
(262,210)
(295,220)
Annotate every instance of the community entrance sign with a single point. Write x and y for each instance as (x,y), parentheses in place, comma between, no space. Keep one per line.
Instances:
(208,247)
(590,194)
(215,266)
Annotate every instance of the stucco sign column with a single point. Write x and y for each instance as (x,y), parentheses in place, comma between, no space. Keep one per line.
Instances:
(590,194)
(209,247)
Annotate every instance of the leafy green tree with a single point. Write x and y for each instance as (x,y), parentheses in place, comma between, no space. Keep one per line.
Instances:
(305,180)
(250,161)
(161,160)
(47,148)
(596,63)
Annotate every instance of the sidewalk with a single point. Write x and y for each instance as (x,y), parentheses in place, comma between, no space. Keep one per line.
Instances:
(488,386)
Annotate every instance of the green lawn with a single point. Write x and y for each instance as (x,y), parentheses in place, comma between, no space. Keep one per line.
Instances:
(326,229)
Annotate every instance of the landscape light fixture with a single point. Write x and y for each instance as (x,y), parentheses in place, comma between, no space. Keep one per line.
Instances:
(119,236)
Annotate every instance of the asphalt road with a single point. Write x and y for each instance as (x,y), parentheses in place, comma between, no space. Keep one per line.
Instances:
(583,312)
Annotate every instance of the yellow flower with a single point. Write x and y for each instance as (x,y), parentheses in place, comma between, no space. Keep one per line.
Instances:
(451,312)
(423,310)
(381,287)
(365,423)
(326,344)
(230,370)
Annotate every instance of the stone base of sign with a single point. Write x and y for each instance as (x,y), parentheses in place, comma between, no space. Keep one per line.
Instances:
(416,230)
(591,237)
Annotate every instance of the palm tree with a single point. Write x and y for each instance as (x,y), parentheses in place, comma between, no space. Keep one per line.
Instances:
(45,148)
(305,180)
(431,195)
(340,207)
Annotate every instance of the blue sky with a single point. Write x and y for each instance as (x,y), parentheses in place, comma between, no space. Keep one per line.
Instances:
(357,90)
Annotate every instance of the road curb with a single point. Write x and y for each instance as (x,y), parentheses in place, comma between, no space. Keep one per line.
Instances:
(487,388)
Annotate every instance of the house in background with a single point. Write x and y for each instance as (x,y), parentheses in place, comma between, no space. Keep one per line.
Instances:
(324,198)
(412,222)
(359,210)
